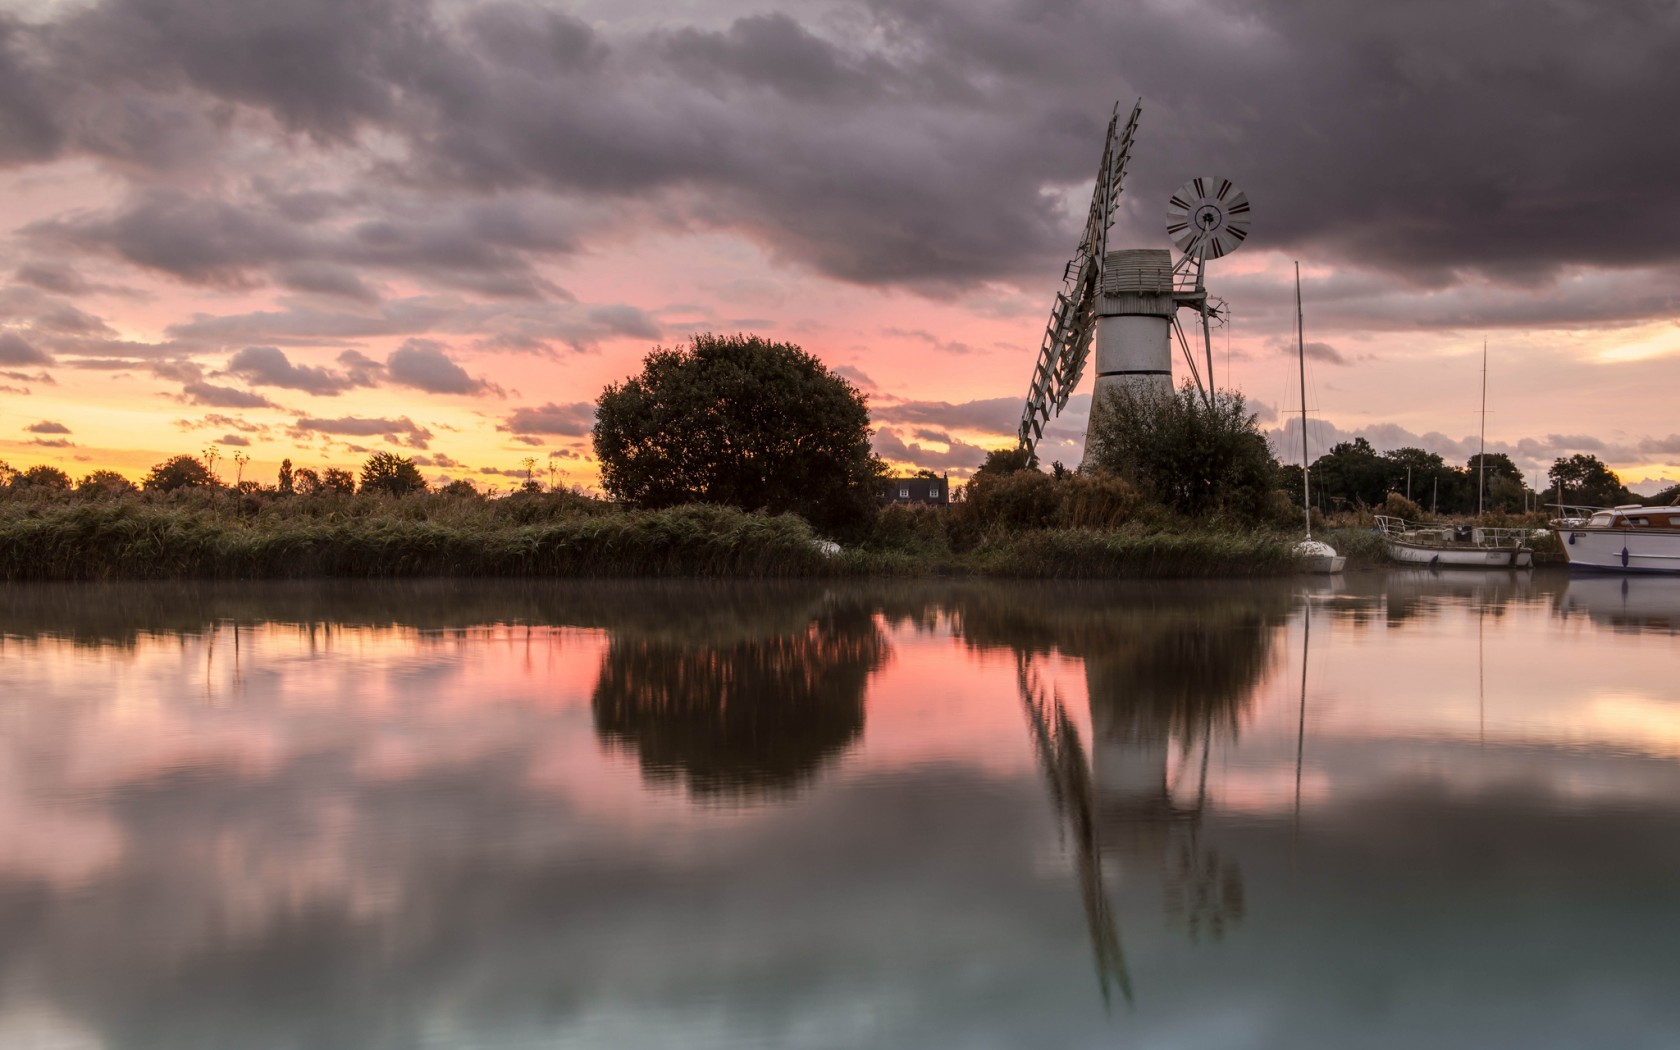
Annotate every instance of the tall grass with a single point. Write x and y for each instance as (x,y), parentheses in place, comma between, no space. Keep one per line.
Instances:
(229,536)
(134,539)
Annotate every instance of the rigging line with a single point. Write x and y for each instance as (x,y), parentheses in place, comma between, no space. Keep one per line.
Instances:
(1184,345)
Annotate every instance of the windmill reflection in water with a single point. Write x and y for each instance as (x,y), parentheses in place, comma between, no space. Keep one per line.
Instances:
(1157,678)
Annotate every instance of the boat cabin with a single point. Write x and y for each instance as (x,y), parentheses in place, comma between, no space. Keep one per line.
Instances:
(1636,517)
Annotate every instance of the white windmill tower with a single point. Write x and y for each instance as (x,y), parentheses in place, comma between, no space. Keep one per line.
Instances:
(1129,299)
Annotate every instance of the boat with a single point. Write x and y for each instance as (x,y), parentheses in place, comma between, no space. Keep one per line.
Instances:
(1442,546)
(1311,556)
(1630,538)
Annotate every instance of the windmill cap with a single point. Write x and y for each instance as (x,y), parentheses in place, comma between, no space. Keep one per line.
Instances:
(1138,270)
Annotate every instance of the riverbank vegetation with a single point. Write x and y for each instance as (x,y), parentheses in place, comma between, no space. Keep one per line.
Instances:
(736,456)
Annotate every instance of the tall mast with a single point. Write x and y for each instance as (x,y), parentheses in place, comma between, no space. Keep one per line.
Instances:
(1301,348)
(1481,458)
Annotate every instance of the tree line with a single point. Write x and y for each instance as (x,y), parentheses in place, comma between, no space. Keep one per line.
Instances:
(1353,474)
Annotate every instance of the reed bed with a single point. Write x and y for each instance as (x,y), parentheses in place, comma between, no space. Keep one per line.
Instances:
(139,540)
(557,535)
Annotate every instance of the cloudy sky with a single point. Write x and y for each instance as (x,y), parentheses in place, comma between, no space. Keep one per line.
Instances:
(323,227)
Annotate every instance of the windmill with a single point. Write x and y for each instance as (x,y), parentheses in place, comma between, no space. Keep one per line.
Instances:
(1128,300)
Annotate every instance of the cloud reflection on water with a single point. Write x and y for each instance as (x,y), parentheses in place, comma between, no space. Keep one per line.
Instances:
(392,820)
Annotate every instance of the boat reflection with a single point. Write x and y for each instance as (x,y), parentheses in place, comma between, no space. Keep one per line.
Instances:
(1628,604)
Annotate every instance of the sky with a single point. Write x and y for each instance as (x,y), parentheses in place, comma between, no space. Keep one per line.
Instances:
(322,228)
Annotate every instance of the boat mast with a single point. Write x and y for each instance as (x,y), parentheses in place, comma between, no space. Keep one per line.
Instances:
(1301,348)
(1481,459)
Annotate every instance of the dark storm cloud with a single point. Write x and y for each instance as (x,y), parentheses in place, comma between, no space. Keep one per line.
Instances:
(929,144)
(15,350)
(956,455)
(422,364)
(402,429)
(198,392)
(269,366)
(532,327)
(994,415)
(482,246)
(573,420)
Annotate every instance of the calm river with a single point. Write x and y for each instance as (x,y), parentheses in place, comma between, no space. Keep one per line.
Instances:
(1391,811)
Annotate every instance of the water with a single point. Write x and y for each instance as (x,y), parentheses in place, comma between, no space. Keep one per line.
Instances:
(1394,811)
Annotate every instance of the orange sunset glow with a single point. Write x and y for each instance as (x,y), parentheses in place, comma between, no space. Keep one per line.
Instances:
(314,231)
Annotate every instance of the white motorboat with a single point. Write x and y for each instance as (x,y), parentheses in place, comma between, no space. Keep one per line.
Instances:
(1625,539)
(1455,546)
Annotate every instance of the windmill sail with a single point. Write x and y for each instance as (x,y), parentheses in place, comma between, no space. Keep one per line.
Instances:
(1073,316)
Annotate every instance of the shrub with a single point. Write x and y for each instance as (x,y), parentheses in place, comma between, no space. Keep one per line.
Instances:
(180,472)
(391,474)
(104,484)
(1196,458)
(1096,500)
(42,478)
(1398,506)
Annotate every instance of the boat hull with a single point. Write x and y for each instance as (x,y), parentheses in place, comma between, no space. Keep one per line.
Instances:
(1467,557)
(1322,563)
(1622,550)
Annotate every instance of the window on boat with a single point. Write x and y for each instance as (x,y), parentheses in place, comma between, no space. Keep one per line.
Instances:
(1602,519)
(1639,521)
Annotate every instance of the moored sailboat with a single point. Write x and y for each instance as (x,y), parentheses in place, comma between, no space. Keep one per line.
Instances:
(1313,556)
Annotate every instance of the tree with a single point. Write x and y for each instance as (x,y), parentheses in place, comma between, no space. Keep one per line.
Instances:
(462,487)
(104,483)
(391,474)
(1352,471)
(741,421)
(181,472)
(306,482)
(286,483)
(1008,461)
(336,479)
(1503,487)
(1586,481)
(1182,452)
(42,478)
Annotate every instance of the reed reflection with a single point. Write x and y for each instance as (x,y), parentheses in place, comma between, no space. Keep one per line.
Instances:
(745,714)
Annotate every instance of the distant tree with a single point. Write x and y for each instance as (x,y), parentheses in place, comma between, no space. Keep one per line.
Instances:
(1665,498)
(530,485)
(335,479)
(7,474)
(181,472)
(1351,471)
(1182,452)
(391,474)
(1505,488)
(1586,481)
(306,482)
(1434,483)
(928,474)
(460,487)
(1008,460)
(740,421)
(103,484)
(286,483)
(42,478)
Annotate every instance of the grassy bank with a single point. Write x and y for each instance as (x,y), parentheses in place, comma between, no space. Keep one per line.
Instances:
(226,536)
